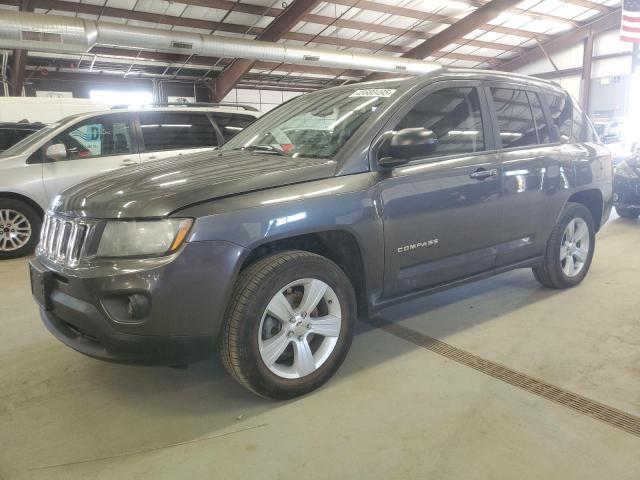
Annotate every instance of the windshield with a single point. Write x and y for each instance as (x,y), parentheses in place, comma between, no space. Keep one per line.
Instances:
(315,125)
(35,138)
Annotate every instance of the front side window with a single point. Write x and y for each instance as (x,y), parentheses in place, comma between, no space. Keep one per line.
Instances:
(452,116)
(515,118)
(176,131)
(562,114)
(316,125)
(98,137)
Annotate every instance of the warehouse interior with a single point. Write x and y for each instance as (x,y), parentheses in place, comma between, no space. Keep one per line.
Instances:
(499,378)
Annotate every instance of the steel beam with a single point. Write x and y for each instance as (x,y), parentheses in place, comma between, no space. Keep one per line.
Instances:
(456,31)
(610,21)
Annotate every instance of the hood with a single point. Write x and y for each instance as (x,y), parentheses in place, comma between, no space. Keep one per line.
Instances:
(159,188)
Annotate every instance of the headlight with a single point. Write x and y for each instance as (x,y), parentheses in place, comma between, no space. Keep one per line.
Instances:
(129,238)
(624,170)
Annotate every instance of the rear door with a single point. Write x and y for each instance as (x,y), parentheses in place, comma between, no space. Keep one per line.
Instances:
(442,210)
(95,145)
(535,168)
(173,134)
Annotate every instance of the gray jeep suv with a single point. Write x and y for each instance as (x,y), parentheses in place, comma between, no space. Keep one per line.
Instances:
(332,206)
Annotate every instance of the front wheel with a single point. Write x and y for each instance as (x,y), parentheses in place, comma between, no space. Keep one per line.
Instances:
(19,228)
(289,324)
(627,212)
(569,249)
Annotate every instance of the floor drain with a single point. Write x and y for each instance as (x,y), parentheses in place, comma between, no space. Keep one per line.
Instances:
(616,418)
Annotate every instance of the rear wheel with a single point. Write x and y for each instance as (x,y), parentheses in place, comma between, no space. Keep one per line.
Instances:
(569,249)
(19,228)
(289,324)
(626,212)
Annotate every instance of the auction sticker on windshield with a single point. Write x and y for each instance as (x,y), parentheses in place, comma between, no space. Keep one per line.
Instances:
(373,92)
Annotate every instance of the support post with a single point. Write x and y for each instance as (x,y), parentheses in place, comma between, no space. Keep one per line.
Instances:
(587,61)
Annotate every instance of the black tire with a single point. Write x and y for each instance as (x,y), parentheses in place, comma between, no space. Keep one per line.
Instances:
(550,273)
(35,222)
(256,286)
(626,212)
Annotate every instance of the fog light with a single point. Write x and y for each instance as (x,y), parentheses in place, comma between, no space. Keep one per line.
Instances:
(138,306)
(127,308)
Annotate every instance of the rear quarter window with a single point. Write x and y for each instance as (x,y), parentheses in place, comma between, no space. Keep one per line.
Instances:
(583,131)
(561,109)
(232,124)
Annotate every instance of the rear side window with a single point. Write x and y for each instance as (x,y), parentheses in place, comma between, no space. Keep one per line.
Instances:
(515,118)
(232,124)
(7,138)
(453,115)
(538,116)
(176,131)
(561,114)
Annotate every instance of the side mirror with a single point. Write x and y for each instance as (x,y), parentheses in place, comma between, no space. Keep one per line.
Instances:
(56,152)
(409,143)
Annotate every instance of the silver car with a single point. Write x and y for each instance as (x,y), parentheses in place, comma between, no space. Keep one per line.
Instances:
(35,170)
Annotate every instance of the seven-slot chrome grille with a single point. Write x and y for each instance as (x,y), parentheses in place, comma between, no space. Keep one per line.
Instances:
(62,239)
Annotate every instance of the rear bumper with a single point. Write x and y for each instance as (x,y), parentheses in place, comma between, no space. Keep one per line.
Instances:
(186,297)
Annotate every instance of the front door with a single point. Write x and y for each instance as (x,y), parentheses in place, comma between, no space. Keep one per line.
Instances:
(442,210)
(93,146)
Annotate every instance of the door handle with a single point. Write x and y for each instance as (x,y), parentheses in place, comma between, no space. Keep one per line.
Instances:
(482,174)
(127,162)
(152,158)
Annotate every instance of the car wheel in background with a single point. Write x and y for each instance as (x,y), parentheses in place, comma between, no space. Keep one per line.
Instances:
(626,212)
(569,249)
(289,324)
(19,228)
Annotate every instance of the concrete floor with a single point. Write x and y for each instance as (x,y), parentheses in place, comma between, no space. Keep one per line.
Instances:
(394,411)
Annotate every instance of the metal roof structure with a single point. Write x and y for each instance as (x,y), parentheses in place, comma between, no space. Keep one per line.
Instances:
(457,33)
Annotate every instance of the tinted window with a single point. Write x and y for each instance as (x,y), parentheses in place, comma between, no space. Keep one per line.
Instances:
(453,115)
(515,119)
(175,131)
(232,124)
(538,115)
(582,129)
(7,138)
(98,137)
(561,114)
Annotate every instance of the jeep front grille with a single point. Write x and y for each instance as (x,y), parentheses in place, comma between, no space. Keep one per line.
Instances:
(62,239)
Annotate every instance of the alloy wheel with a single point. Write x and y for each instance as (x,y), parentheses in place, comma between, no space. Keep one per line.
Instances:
(300,328)
(574,249)
(15,230)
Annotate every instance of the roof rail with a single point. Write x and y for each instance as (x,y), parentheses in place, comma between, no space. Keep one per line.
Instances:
(241,106)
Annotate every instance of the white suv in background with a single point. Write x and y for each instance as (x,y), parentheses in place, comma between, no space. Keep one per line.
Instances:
(35,170)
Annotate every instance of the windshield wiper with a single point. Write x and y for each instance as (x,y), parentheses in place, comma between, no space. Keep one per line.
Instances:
(261,149)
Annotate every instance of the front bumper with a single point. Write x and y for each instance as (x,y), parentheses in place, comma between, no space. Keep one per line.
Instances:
(187,295)
(626,192)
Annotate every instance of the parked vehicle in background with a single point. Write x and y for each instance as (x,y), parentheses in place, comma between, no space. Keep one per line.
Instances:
(616,138)
(45,110)
(36,169)
(273,248)
(12,133)
(626,186)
